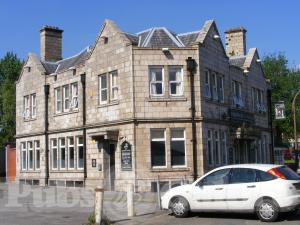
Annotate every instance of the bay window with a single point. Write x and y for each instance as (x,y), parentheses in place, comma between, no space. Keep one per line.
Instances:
(178,147)
(156,77)
(175,80)
(158,147)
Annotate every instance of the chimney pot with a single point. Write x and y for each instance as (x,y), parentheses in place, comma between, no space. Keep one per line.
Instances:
(51,43)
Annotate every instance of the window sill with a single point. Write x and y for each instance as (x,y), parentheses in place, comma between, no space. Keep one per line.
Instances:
(67,171)
(178,169)
(66,113)
(30,119)
(115,102)
(30,171)
(217,102)
(166,99)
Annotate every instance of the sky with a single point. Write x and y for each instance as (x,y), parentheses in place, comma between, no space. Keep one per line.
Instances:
(272,25)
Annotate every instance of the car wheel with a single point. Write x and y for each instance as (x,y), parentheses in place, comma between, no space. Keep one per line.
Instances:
(267,211)
(179,207)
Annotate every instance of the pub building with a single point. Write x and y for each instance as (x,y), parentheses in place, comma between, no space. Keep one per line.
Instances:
(138,107)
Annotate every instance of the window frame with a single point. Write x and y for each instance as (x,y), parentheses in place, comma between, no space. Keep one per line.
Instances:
(33,105)
(58,100)
(37,148)
(114,86)
(24,149)
(214,86)
(155,82)
(184,144)
(181,82)
(26,112)
(60,147)
(74,95)
(77,152)
(102,102)
(223,147)
(30,162)
(207,87)
(210,147)
(217,150)
(66,98)
(158,140)
(52,150)
(71,146)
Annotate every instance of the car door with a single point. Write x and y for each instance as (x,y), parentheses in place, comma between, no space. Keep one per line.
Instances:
(242,190)
(210,192)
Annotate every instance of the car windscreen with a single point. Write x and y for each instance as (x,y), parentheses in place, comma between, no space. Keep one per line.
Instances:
(288,173)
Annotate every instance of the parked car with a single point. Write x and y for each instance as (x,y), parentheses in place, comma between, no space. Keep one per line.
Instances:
(264,189)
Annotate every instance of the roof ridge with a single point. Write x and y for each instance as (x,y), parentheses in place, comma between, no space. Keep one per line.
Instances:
(130,34)
(187,33)
(144,31)
(82,51)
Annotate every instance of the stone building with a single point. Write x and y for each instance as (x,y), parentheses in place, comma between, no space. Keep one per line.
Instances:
(130,110)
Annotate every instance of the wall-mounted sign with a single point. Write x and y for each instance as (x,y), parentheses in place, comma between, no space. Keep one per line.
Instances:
(279,110)
(126,156)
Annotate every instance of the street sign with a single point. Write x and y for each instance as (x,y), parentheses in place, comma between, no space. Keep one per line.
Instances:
(279,110)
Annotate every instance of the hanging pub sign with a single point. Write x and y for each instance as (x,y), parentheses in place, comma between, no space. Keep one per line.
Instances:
(126,156)
(279,110)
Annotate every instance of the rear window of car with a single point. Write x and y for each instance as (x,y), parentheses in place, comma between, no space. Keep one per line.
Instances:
(288,173)
(263,176)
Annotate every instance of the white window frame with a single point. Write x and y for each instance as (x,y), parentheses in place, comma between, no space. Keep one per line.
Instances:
(24,149)
(62,146)
(37,148)
(210,147)
(77,150)
(179,139)
(54,147)
(33,105)
(181,82)
(57,100)
(159,139)
(26,113)
(30,149)
(114,86)
(71,146)
(101,101)
(66,98)
(155,82)
(74,94)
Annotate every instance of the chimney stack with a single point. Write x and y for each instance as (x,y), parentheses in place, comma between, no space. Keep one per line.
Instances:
(235,40)
(51,43)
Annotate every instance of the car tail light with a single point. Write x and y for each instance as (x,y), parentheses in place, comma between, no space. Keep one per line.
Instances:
(276,173)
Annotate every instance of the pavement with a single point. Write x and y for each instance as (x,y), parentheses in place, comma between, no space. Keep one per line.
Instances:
(29,205)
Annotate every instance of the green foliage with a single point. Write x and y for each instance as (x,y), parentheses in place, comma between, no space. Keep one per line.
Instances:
(10,67)
(285,83)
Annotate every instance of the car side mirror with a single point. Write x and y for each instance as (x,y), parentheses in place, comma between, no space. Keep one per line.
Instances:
(200,184)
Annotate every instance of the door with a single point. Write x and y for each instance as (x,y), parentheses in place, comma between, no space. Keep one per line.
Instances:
(112,172)
(243,189)
(210,192)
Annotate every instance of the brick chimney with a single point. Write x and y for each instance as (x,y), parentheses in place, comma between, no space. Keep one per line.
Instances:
(235,40)
(51,39)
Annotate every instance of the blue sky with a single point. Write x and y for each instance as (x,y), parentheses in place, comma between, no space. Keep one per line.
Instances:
(272,26)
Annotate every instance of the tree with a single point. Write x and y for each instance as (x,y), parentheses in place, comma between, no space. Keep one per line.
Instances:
(10,68)
(285,83)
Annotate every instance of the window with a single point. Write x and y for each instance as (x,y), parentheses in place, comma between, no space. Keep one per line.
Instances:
(257,101)
(158,147)
(103,95)
(217,148)
(216,178)
(156,81)
(54,153)
(24,155)
(57,97)
(26,113)
(175,80)
(220,88)
(80,161)
(237,99)
(242,175)
(37,155)
(214,86)
(263,176)
(207,91)
(210,147)
(66,98)
(114,85)
(62,150)
(74,100)
(30,155)
(258,152)
(223,147)
(33,105)
(71,156)
(177,147)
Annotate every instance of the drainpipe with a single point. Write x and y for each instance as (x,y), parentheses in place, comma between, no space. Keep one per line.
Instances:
(82,79)
(46,91)
(191,67)
(269,96)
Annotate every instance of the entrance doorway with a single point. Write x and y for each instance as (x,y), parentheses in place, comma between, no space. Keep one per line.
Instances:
(109,165)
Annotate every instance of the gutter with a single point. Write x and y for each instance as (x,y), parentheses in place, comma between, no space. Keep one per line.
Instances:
(46,91)
(82,79)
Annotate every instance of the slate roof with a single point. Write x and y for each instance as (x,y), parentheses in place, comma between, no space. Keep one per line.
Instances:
(65,64)
(237,61)
(188,38)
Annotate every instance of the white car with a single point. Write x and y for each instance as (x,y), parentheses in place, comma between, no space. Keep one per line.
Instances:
(261,188)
